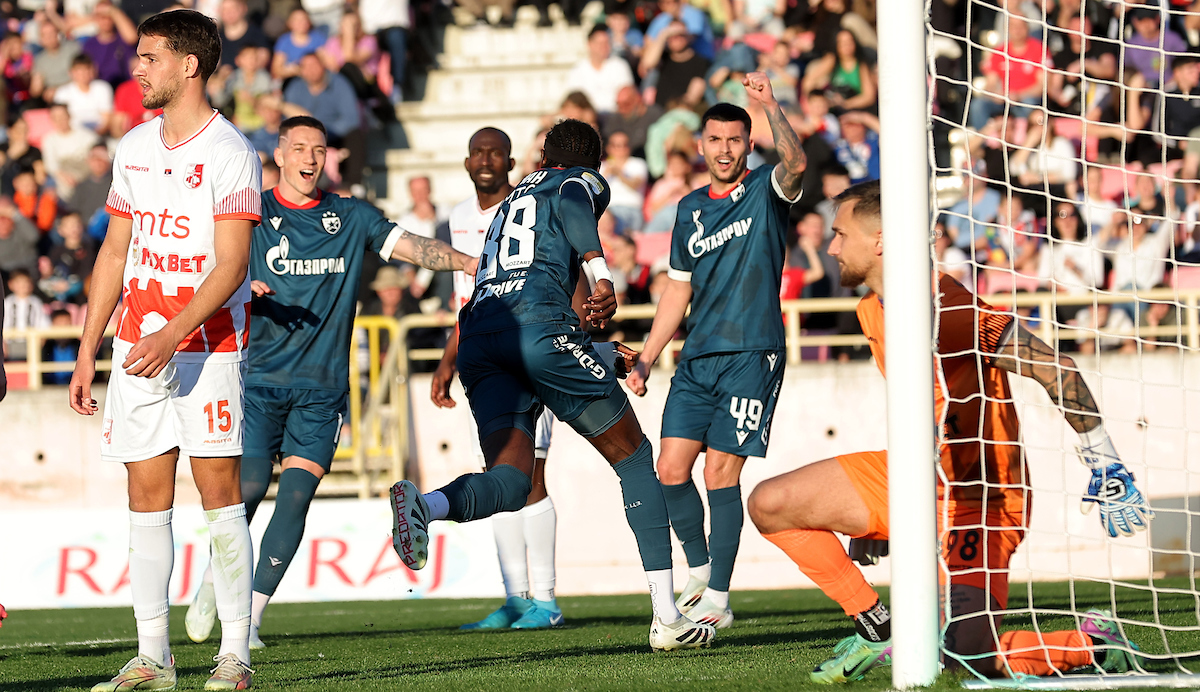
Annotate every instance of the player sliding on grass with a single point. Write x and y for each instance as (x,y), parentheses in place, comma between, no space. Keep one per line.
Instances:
(983,510)
(306,261)
(520,349)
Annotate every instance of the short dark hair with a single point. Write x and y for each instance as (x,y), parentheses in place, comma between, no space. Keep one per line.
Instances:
(726,113)
(59,313)
(573,137)
(1184,60)
(867,204)
(82,59)
(597,29)
(301,121)
(187,32)
(503,136)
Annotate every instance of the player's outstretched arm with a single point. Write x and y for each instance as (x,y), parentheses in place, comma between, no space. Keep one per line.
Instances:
(107,279)
(1123,508)
(432,253)
(672,306)
(792,160)
(231,257)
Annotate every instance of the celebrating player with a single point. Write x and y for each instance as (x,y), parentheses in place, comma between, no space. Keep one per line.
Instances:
(727,254)
(184,198)
(986,501)
(520,349)
(524,538)
(306,262)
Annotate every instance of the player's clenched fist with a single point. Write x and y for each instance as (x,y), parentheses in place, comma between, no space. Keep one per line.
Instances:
(758,87)
(637,378)
(601,304)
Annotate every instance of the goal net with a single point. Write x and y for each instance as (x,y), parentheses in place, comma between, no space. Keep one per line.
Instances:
(1065,148)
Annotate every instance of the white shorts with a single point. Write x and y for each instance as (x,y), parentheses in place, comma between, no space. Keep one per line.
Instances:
(541,445)
(197,407)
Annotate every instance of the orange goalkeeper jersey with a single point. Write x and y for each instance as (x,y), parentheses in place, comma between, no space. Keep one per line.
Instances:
(973,402)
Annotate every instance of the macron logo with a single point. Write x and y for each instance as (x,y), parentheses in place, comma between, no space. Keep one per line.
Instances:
(275,221)
(741,436)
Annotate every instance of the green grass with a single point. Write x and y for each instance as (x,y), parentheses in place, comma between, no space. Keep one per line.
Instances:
(415,645)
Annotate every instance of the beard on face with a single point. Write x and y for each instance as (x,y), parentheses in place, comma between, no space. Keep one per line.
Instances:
(735,172)
(851,277)
(159,98)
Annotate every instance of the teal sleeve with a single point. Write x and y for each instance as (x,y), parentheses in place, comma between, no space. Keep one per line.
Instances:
(578,220)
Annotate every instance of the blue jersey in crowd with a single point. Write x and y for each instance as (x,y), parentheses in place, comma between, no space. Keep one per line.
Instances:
(312,257)
(731,250)
(530,262)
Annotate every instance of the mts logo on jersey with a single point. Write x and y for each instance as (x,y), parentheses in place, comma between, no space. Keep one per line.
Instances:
(156,223)
(278,262)
(698,244)
(592,365)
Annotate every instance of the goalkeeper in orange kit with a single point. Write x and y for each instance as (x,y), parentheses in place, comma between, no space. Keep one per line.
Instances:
(984,499)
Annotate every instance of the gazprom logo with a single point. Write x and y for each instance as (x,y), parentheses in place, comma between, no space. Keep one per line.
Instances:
(279,263)
(698,244)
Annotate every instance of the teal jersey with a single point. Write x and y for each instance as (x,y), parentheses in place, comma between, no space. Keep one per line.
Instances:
(312,257)
(731,250)
(530,262)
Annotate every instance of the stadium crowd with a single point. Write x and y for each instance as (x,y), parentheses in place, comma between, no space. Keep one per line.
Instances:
(1063,126)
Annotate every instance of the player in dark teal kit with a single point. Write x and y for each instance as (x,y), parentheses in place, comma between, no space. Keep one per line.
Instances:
(521,348)
(306,261)
(726,260)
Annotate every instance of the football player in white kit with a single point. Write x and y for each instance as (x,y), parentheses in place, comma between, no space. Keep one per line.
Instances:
(185,196)
(531,530)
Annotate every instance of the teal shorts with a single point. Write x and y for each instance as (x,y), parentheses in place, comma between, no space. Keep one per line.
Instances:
(726,400)
(511,375)
(284,421)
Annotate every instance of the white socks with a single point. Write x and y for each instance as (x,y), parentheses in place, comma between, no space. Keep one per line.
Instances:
(258,603)
(703,572)
(717,598)
(540,522)
(509,530)
(151,558)
(439,505)
(233,570)
(662,596)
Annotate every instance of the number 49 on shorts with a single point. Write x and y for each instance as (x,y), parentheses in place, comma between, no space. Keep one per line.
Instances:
(748,412)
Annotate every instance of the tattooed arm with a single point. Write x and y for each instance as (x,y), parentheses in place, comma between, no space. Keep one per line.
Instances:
(1021,352)
(792,160)
(432,254)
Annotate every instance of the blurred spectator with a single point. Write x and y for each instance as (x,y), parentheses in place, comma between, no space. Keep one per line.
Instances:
(128,111)
(1080,58)
(423,216)
(785,76)
(1190,27)
(237,32)
(19,156)
(601,74)
(92,190)
(670,131)
(951,259)
(806,263)
(236,91)
(326,15)
(17,64)
(628,41)
(1139,261)
(817,118)
(965,220)
(760,16)
(681,69)
(328,97)
(1146,198)
(845,75)
(1096,209)
(60,350)
(633,117)
(1014,75)
(627,175)
(270,174)
(18,240)
(1181,115)
(834,181)
(1150,49)
(694,20)
(1047,161)
(300,40)
(52,65)
(636,277)
(666,192)
(858,148)
(726,73)
(65,150)
(389,21)
(113,44)
(1070,262)
(22,310)
(89,99)
(352,46)
(478,9)
(720,15)
(69,263)
(268,108)
(576,106)
(37,203)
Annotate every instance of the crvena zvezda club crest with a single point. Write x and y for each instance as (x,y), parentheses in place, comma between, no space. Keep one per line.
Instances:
(195,173)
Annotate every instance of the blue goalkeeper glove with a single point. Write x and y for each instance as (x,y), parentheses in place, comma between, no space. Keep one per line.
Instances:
(1123,508)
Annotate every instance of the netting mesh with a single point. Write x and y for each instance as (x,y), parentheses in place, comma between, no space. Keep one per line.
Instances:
(1066,143)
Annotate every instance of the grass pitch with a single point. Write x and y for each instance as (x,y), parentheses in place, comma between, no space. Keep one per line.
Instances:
(415,645)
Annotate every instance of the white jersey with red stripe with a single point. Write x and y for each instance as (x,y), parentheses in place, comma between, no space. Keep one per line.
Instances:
(175,195)
(468,231)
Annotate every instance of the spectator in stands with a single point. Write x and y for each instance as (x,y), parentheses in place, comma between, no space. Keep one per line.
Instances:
(22,310)
(694,20)
(784,75)
(389,21)
(1014,75)
(813,252)
(19,155)
(65,150)
(37,203)
(951,259)
(237,31)
(269,109)
(423,216)
(60,350)
(834,181)
(1081,57)
(300,40)
(355,55)
(628,41)
(69,263)
(52,65)
(1139,262)
(1181,116)
(726,73)
(576,106)
(1151,49)
(236,91)
(328,97)
(326,15)
(1190,27)
(636,277)
(18,240)
(601,74)
(666,192)
(1070,262)
(633,117)
(1047,161)
(89,99)
(760,16)
(681,69)
(673,131)
(1096,209)
(91,191)
(113,44)
(128,111)
(846,76)
(967,218)
(627,176)
(818,120)
(1146,198)
(478,9)
(858,148)
(270,174)
(16,64)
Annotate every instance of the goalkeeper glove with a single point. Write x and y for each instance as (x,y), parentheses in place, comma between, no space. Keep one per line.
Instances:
(1123,508)
(867,552)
